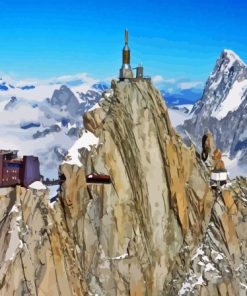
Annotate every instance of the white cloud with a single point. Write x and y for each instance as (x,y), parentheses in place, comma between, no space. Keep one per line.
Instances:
(190,84)
(173,85)
(158,79)
(44,88)
(170,80)
(170,90)
(84,77)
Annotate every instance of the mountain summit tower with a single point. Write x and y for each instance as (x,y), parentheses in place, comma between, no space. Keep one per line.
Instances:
(125,71)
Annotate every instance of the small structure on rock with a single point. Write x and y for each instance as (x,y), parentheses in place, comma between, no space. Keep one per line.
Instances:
(219,174)
(18,171)
(99,179)
(126,70)
(213,159)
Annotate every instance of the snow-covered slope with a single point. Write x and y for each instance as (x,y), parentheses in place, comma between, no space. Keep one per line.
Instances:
(179,114)
(232,101)
(223,110)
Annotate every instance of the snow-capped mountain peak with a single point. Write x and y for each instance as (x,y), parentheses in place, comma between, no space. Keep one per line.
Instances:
(226,87)
(232,56)
(223,108)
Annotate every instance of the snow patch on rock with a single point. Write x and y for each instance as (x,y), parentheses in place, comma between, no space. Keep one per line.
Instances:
(37,185)
(87,140)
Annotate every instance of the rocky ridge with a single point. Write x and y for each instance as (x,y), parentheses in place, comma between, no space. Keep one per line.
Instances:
(141,235)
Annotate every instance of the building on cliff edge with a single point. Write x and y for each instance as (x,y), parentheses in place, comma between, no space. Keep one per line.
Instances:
(18,171)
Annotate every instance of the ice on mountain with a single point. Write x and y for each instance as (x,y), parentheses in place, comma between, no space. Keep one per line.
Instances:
(232,56)
(232,101)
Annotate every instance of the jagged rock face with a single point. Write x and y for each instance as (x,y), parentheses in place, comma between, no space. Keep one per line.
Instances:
(222,109)
(141,235)
(37,253)
(159,199)
(219,264)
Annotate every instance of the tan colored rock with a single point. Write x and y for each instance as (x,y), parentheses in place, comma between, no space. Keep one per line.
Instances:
(94,120)
(152,172)
(229,202)
(210,143)
(37,259)
(158,229)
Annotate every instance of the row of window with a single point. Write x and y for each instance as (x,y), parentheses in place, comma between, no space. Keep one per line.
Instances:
(13,171)
(6,180)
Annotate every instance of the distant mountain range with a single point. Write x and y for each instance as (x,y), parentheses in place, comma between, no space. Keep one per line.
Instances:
(44,119)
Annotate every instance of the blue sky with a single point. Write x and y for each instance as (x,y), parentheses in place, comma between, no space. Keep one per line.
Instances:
(175,39)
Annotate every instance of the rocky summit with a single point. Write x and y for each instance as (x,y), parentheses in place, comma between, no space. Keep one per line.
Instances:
(156,229)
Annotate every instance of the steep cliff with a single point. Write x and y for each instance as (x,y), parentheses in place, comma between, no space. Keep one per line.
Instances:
(149,232)
(159,197)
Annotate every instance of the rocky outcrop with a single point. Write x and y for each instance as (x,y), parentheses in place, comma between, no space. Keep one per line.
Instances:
(37,253)
(158,202)
(143,234)
(219,264)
